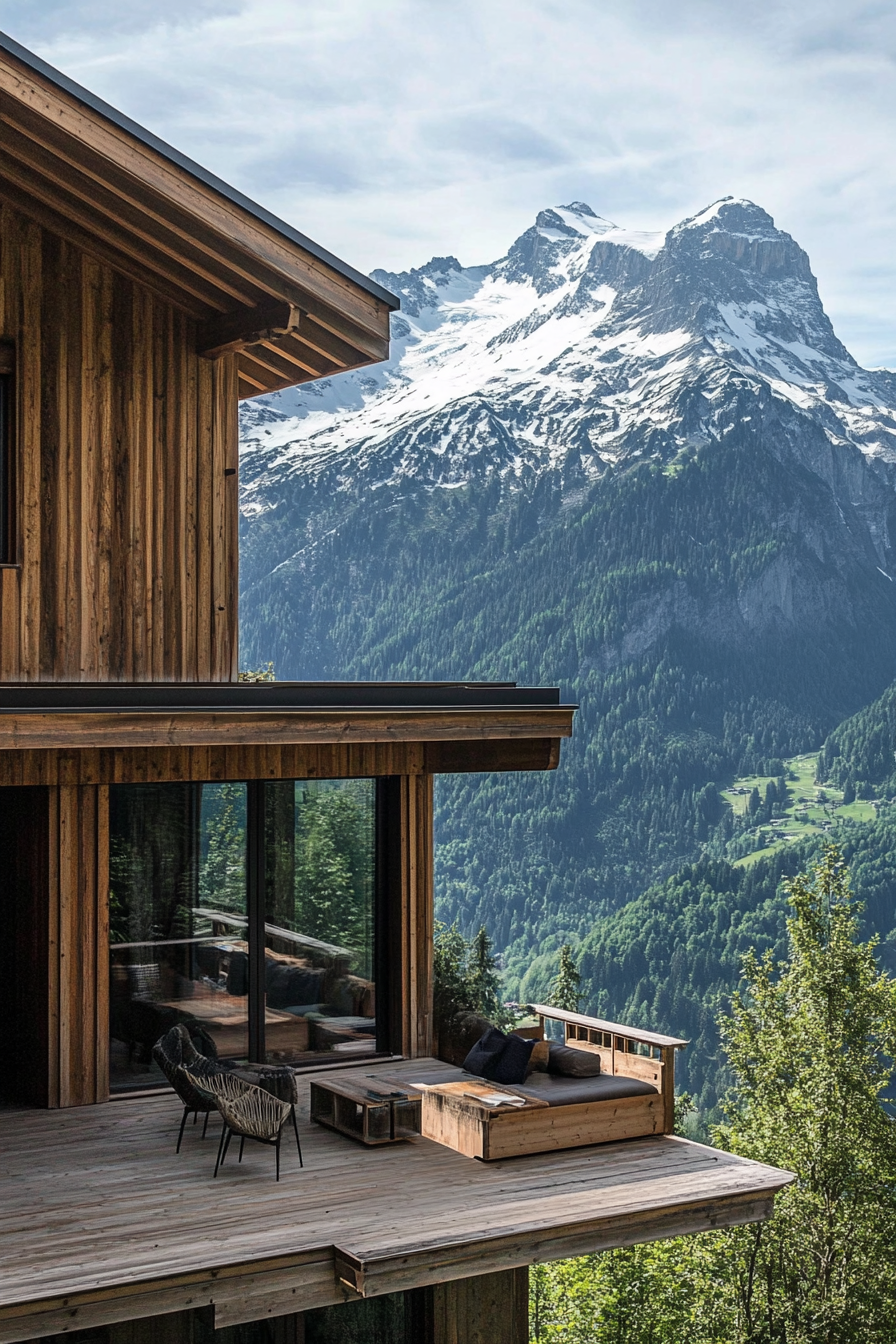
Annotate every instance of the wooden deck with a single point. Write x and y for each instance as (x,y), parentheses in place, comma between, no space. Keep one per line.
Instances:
(101,1222)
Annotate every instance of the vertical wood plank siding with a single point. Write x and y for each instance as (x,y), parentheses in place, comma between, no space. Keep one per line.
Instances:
(126,523)
(78,938)
(488,1309)
(417,904)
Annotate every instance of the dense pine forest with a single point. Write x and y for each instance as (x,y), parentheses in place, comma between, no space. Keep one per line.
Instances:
(627,597)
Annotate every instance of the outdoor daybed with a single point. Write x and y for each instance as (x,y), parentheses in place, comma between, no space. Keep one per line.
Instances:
(632,1096)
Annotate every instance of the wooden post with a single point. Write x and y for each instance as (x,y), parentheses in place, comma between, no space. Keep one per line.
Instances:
(488,1309)
(416,858)
(78,917)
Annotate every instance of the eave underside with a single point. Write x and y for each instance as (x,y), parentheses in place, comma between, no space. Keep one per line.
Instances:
(122,747)
(101,1222)
(116,198)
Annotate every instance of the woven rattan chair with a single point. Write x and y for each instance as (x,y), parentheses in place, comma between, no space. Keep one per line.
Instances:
(180,1061)
(248,1111)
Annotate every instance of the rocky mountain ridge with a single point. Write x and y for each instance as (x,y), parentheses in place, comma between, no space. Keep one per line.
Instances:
(586,350)
(641,466)
(587,345)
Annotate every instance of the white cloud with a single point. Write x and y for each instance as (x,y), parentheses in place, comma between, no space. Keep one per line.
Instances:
(393,131)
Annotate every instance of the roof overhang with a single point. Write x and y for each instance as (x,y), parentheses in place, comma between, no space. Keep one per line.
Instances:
(289,310)
(48,716)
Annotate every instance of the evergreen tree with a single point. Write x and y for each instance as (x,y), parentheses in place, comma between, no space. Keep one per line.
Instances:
(483,978)
(812,1045)
(565,988)
(811,1042)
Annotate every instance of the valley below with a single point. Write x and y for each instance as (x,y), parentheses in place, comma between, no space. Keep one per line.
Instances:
(642,467)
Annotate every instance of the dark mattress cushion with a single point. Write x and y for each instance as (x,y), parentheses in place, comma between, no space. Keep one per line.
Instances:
(561,1090)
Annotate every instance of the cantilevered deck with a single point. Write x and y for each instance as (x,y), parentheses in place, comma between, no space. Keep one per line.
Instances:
(101,1222)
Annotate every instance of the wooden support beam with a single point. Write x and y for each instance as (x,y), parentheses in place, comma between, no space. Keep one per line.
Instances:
(57,729)
(246,326)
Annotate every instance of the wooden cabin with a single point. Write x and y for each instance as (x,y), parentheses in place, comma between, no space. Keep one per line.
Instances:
(162,823)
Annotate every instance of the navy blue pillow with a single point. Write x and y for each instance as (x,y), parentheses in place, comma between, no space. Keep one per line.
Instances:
(485,1053)
(499,1058)
(513,1062)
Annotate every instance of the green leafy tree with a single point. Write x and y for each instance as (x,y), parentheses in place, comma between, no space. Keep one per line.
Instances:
(466,977)
(333,868)
(222,868)
(811,1043)
(565,991)
(451,989)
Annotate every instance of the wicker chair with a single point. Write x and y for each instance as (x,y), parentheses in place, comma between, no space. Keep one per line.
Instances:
(248,1111)
(178,1059)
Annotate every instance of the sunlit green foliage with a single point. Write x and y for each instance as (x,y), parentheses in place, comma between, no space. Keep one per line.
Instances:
(810,1045)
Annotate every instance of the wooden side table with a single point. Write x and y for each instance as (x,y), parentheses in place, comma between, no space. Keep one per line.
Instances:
(365,1109)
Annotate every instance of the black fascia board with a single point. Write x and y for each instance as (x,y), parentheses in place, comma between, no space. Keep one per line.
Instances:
(196,170)
(268,697)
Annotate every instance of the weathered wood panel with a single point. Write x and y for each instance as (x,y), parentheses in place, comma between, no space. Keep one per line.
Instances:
(355,760)
(126,522)
(417,914)
(78,937)
(489,1309)
(125,1229)
(131,728)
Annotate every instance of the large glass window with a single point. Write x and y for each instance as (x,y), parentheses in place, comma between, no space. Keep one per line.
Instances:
(246,911)
(319,916)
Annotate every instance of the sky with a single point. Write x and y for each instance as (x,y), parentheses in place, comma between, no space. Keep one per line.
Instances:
(391,131)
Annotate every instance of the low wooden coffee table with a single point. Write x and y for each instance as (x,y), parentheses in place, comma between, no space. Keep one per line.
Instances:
(366,1109)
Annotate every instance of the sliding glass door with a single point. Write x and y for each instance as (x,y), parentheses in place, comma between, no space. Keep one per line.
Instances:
(319,885)
(246,911)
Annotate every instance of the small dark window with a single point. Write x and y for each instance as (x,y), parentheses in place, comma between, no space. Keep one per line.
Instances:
(7,455)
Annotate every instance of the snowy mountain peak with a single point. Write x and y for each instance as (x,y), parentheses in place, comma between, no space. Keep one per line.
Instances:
(585,346)
(571,221)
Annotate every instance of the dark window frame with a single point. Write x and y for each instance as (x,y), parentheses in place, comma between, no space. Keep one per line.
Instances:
(7,454)
(387,928)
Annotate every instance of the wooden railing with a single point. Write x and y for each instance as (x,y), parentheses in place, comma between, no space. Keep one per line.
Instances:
(623,1050)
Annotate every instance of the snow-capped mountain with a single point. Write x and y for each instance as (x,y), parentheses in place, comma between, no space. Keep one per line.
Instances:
(586,346)
(639,465)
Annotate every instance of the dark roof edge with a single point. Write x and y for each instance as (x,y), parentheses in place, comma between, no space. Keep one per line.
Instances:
(281,696)
(217,184)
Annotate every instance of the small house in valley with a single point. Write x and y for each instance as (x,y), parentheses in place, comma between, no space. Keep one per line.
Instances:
(241,873)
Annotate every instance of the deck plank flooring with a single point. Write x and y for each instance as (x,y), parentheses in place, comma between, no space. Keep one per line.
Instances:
(94,1199)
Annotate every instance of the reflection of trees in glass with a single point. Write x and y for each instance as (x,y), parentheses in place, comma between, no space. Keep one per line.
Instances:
(222,848)
(150,868)
(334,864)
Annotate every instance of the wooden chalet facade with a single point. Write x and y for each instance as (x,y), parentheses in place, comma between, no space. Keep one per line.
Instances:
(140,299)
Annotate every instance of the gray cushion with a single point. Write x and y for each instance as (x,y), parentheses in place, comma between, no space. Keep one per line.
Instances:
(574,1063)
(559,1090)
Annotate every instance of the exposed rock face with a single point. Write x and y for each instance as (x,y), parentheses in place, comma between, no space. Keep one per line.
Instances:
(586,350)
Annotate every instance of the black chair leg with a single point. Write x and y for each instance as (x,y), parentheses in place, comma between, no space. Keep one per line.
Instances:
(242,1146)
(205,1126)
(183,1121)
(296,1128)
(222,1146)
(277,1151)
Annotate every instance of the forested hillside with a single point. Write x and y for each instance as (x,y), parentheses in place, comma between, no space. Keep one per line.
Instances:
(643,468)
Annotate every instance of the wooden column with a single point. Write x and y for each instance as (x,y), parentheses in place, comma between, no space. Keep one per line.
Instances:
(489,1309)
(78,945)
(416,857)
